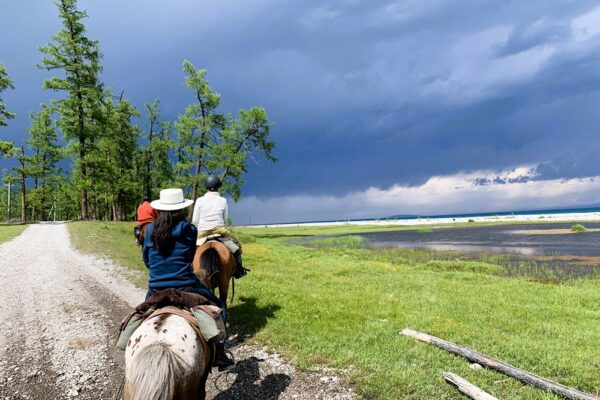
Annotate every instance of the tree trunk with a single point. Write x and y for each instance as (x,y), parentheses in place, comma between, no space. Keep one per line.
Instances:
(43,200)
(23,183)
(114,210)
(94,207)
(196,183)
(82,158)
(121,205)
(149,161)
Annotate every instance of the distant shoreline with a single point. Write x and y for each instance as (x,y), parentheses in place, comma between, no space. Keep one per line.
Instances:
(549,217)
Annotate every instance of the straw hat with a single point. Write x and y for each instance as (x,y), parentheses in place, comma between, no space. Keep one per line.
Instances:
(171,199)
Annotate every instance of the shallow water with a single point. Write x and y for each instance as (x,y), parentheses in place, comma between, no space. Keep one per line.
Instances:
(494,239)
(539,257)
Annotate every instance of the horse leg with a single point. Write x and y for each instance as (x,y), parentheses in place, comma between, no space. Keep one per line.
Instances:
(223,289)
(196,261)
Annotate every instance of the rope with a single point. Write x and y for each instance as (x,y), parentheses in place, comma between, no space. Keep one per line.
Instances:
(120,390)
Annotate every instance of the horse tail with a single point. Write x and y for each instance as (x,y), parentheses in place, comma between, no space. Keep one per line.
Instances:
(152,377)
(210,261)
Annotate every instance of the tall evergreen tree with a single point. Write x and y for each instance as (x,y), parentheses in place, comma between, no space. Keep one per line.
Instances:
(197,129)
(156,169)
(71,51)
(244,137)
(43,141)
(117,147)
(22,171)
(210,142)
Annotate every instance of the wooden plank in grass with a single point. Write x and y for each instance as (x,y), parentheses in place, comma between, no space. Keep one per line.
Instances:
(500,366)
(467,388)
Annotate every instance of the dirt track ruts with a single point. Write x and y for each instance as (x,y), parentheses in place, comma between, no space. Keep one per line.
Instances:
(58,319)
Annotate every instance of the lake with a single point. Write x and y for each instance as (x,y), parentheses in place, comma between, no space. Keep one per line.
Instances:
(495,239)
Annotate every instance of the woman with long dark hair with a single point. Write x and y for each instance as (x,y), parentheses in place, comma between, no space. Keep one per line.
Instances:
(168,252)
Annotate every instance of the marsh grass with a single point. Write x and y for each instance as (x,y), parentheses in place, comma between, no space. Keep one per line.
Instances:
(349,241)
(343,306)
(547,269)
(578,228)
(8,232)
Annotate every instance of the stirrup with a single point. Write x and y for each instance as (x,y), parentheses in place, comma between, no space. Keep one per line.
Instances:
(228,365)
(240,273)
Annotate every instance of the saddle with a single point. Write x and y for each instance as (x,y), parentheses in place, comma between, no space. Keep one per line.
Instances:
(172,297)
(215,236)
(202,315)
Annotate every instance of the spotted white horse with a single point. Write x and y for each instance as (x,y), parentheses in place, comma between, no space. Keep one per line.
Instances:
(166,359)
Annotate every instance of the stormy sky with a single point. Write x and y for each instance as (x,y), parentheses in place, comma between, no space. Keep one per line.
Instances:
(380,107)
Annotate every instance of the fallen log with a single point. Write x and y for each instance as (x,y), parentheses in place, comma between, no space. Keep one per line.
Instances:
(500,366)
(467,388)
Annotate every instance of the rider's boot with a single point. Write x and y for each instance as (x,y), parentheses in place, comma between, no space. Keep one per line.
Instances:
(240,271)
(223,359)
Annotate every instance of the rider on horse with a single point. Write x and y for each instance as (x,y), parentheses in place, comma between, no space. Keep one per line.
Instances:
(168,251)
(145,215)
(210,215)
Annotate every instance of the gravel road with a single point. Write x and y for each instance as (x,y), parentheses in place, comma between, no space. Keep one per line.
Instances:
(59,317)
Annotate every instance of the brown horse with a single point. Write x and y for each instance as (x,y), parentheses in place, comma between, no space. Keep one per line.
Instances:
(217,262)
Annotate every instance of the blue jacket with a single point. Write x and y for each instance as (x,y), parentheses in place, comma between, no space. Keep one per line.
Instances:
(175,269)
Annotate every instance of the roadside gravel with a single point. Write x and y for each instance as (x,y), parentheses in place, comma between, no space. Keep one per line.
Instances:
(60,313)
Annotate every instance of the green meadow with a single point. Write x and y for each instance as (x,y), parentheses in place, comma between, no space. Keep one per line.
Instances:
(335,303)
(8,232)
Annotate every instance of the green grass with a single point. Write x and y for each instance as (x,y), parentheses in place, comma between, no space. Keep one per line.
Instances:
(345,241)
(578,228)
(343,306)
(8,232)
(113,240)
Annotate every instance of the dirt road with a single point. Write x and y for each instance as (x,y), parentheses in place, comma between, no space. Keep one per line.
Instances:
(58,321)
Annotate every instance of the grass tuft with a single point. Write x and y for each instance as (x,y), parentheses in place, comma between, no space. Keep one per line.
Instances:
(8,232)
(578,228)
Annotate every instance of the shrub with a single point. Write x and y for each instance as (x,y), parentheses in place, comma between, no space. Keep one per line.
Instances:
(578,228)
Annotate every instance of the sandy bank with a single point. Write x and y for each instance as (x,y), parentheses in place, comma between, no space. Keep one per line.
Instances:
(566,217)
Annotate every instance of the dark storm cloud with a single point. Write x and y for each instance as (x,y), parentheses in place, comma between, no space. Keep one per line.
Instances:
(363,93)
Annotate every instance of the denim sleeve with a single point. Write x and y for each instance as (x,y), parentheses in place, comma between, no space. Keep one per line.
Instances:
(146,247)
(145,257)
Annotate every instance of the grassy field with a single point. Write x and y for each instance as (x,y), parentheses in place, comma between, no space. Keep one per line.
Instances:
(8,232)
(340,305)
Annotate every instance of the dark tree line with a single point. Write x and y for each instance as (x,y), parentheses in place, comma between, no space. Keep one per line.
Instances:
(114,160)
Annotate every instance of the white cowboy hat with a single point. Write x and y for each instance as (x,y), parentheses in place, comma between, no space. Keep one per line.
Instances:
(171,199)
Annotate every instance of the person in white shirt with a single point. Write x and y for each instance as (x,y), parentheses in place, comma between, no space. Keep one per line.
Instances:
(210,216)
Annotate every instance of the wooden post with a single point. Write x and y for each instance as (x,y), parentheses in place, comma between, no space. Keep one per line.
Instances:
(467,388)
(500,366)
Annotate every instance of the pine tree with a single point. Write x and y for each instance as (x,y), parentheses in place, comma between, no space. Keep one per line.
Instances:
(197,130)
(22,171)
(156,167)
(46,154)
(210,142)
(243,138)
(79,57)
(118,146)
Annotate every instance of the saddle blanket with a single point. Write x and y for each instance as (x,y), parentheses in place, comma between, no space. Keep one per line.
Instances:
(206,319)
